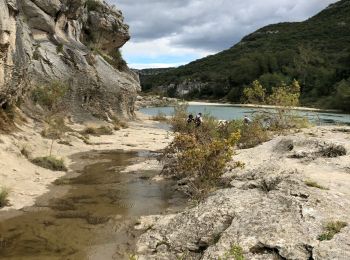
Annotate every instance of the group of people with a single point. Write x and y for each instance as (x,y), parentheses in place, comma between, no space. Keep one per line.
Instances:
(196,120)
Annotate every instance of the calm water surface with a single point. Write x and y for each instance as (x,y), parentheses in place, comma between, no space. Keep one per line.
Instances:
(94,219)
(228,112)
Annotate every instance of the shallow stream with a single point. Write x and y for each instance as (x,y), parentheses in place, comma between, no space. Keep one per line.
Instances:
(90,213)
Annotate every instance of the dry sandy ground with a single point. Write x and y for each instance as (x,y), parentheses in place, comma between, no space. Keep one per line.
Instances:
(27,181)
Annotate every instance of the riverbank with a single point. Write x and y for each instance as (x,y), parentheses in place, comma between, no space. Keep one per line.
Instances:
(26,181)
(290,201)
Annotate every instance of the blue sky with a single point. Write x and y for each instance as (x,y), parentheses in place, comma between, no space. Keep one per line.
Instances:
(167,33)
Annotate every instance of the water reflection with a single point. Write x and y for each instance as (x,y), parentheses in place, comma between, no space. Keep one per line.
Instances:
(94,219)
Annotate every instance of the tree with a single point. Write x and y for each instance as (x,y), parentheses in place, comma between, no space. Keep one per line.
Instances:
(255,94)
(342,97)
(284,95)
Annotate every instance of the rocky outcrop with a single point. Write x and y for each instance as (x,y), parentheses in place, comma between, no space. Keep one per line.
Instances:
(154,101)
(182,89)
(270,211)
(75,42)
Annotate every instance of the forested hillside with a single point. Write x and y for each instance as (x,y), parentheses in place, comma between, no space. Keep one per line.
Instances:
(315,52)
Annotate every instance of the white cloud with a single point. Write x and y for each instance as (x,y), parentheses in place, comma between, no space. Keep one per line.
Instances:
(200,27)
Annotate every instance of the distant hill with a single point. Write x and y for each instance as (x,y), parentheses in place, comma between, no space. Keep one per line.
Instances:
(316,52)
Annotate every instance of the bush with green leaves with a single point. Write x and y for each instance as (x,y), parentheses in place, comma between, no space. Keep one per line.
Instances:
(200,154)
(92,5)
(97,131)
(50,162)
(159,117)
(60,48)
(285,95)
(255,94)
(235,253)
(50,96)
(200,160)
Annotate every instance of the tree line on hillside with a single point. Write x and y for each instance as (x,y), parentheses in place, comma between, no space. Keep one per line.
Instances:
(322,83)
(316,53)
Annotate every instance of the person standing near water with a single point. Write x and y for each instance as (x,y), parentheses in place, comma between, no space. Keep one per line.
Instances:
(190,119)
(198,120)
(247,120)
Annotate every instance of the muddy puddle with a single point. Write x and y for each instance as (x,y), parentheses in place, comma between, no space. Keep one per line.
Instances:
(89,215)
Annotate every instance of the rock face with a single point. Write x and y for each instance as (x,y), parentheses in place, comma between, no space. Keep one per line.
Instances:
(75,42)
(269,212)
(154,101)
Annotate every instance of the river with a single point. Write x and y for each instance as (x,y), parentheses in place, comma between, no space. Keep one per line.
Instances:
(229,112)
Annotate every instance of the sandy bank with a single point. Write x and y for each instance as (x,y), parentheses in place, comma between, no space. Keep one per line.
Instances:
(27,181)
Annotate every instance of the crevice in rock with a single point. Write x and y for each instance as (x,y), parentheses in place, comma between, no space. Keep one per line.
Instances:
(309,249)
(261,248)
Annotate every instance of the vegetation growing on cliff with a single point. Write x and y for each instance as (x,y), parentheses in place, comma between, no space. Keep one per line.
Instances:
(92,5)
(7,115)
(331,229)
(315,52)
(4,193)
(50,96)
(115,58)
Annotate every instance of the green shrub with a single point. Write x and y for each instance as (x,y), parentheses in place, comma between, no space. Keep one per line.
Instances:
(159,117)
(284,95)
(49,96)
(50,162)
(55,127)
(119,123)
(253,134)
(201,160)
(92,5)
(330,229)
(255,94)
(235,253)
(4,193)
(179,121)
(102,130)
(59,48)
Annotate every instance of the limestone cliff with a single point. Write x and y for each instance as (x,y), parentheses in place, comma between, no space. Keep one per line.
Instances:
(72,41)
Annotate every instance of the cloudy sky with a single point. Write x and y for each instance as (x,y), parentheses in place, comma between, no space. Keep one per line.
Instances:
(174,32)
